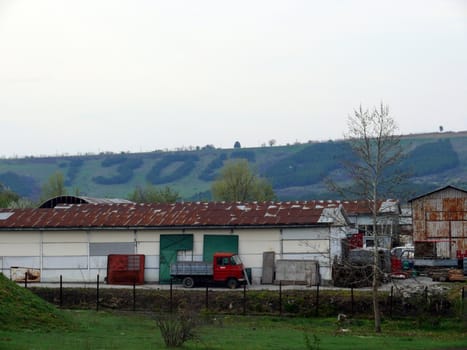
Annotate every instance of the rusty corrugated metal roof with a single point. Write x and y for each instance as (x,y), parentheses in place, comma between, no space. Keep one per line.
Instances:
(361,207)
(185,214)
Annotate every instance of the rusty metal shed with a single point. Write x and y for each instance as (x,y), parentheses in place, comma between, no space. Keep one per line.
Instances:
(440,223)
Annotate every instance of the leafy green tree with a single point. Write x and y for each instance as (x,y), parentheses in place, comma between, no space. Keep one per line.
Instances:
(238,182)
(152,194)
(54,187)
(7,196)
(22,203)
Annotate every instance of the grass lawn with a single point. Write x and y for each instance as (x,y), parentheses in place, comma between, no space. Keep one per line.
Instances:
(108,330)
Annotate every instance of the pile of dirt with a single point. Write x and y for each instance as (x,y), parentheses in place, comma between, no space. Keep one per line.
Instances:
(22,309)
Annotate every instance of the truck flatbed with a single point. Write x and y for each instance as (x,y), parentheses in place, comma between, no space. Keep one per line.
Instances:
(191,268)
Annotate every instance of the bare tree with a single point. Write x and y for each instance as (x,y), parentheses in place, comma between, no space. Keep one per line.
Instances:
(373,172)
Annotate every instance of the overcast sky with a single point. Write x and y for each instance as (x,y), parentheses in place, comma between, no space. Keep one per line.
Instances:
(114,75)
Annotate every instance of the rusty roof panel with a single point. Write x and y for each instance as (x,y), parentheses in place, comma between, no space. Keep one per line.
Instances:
(167,215)
(360,207)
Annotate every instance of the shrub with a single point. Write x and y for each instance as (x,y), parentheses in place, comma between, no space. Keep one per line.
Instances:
(311,344)
(177,328)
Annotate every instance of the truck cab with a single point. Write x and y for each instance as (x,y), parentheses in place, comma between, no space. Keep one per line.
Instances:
(228,268)
(402,261)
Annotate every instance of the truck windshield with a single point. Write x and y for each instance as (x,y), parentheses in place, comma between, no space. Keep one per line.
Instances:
(236,260)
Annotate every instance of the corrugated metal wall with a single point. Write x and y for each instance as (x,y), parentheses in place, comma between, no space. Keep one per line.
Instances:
(442,217)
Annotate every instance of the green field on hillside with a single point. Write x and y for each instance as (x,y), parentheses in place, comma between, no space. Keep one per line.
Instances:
(297,171)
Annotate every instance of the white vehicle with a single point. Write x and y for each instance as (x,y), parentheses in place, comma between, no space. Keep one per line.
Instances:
(403,252)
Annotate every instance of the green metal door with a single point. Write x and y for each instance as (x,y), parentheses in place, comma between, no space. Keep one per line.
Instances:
(219,243)
(169,246)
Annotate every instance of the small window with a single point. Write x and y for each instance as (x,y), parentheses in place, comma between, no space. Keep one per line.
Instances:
(236,260)
(223,261)
(407,254)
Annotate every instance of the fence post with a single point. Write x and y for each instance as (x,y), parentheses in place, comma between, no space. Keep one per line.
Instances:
(206,298)
(61,291)
(97,293)
(280,298)
(351,301)
(317,300)
(26,279)
(244,299)
(462,301)
(171,295)
(134,296)
(391,301)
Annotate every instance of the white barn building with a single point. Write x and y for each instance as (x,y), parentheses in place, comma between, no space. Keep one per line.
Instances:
(74,240)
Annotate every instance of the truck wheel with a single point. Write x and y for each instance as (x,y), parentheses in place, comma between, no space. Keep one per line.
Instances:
(188,282)
(232,283)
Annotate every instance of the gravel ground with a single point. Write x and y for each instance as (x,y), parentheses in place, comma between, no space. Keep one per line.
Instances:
(412,282)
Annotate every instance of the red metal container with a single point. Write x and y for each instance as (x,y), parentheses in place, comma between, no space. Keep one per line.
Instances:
(356,240)
(125,269)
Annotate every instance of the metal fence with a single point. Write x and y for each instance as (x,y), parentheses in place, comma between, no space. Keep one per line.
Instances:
(276,300)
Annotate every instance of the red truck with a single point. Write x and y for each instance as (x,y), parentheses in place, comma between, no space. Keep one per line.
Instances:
(225,268)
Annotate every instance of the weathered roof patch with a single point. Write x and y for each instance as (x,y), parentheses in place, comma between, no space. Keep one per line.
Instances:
(187,214)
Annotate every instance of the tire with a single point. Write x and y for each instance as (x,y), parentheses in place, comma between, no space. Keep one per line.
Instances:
(188,282)
(232,283)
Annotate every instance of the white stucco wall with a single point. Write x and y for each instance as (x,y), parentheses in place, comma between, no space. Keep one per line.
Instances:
(67,253)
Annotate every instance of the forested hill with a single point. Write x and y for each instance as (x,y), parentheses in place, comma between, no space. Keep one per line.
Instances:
(296,171)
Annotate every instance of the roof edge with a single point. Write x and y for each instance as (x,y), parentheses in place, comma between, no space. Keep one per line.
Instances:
(437,190)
